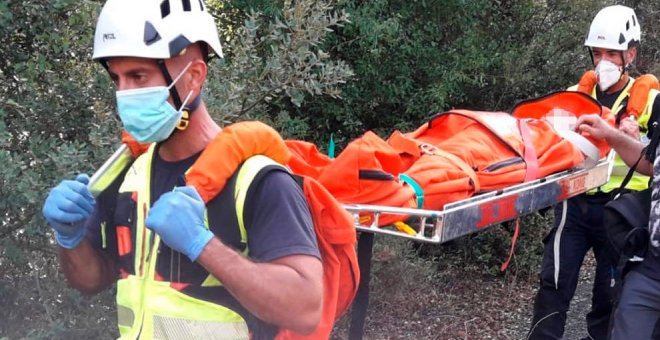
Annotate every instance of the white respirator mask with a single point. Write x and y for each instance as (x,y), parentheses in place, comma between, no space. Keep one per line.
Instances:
(608,73)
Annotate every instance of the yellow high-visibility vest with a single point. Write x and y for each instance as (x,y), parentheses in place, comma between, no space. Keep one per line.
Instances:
(620,169)
(152,309)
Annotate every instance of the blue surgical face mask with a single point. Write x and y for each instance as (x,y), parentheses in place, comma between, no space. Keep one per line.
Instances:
(146,113)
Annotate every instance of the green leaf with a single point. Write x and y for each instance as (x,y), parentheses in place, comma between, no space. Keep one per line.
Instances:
(296,96)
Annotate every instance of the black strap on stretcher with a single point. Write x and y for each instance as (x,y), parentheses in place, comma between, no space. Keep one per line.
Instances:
(361,302)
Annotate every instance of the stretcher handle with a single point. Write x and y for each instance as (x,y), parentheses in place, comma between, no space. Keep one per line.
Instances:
(110,169)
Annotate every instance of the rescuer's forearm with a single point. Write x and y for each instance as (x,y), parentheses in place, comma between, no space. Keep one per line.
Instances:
(87,269)
(286,292)
(629,149)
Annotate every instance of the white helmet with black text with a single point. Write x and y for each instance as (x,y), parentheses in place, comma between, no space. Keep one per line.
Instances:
(157,29)
(614,28)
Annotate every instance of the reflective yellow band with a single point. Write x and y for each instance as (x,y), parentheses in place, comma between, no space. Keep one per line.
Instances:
(104,238)
(623,171)
(173,328)
(125,316)
(616,107)
(153,309)
(246,174)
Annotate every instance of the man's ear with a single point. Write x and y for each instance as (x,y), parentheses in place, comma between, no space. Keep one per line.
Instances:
(198,71)
(631,54)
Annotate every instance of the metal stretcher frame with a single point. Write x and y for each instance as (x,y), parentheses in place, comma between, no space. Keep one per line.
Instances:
(484,210)
(456,219)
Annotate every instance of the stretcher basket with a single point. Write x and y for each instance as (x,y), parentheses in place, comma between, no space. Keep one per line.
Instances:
(481,211)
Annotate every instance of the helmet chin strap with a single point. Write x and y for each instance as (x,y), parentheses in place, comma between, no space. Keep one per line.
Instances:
(168,80)
(186,110)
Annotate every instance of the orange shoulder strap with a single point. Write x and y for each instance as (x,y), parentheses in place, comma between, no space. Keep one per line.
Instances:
(639,94)
(588,82)
(230,148)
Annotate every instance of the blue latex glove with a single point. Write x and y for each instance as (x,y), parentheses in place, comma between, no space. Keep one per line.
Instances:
(66,209)
(178,218)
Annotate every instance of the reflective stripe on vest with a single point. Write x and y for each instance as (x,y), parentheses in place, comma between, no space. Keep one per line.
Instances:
(246,174)
(619,170)
(150,309)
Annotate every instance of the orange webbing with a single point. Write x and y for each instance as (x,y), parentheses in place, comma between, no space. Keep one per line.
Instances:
(514,239)
(529,153)
(232,146)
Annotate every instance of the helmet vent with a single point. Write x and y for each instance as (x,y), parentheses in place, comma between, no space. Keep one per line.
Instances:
(186,5)
(622,39)
(150,33)
(164,8)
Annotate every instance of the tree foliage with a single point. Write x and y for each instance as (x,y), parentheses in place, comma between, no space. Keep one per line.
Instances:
(54,124)
(413,58)
(274,63)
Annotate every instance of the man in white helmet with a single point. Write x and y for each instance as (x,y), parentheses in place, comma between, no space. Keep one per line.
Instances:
(179,264)
(612,41)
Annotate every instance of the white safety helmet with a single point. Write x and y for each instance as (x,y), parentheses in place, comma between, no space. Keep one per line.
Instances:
(614,28)
(157,29)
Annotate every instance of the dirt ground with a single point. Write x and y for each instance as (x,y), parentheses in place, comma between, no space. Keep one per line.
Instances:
(455,304)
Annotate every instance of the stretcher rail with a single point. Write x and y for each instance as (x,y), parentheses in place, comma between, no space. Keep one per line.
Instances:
(484,210)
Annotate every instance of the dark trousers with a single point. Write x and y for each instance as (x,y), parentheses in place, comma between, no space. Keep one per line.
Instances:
(638,311)
(582,230)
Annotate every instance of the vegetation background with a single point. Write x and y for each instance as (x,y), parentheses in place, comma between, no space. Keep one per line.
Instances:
(313,69)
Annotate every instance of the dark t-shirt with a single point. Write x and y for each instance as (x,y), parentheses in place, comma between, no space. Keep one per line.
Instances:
(608,100)
(277,217)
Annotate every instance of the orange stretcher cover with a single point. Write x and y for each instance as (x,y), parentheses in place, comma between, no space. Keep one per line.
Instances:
(455,155)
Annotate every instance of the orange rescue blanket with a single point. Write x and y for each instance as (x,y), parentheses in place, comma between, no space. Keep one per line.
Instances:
(455,155)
